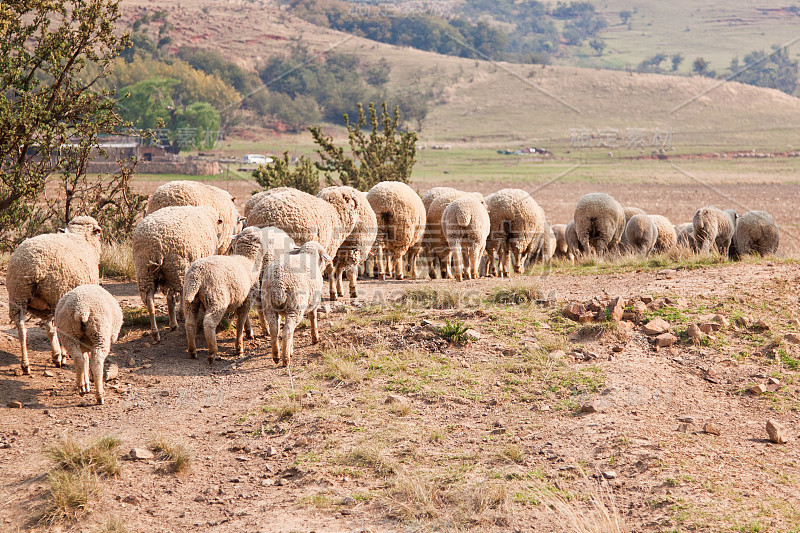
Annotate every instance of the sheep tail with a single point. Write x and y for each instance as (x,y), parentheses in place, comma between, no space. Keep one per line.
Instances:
(278,295)
(191,287)
(463,218)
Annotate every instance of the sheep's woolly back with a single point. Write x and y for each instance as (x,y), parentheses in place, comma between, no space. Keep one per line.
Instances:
(630,211)
(599,221)
(434,237)
(466,220)
(90,315)
(571,236)
(713,227)
(257,197)
(167,241)
(48,266)
(295,281)
(305,217)
(437,192)
(356,247)
(667,237)
(756,232)
(194,193)
(517,221)
(275,243)
(400,214)
(641,234)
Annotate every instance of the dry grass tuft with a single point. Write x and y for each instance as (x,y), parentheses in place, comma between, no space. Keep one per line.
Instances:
(371,457)
(515,294)
(176,455)
(112,524)
(101,457)
(116,261)
(597,512)
(69,495)
(413,497)
(342,367)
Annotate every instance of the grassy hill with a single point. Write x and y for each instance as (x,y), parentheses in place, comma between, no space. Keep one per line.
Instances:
(480,104)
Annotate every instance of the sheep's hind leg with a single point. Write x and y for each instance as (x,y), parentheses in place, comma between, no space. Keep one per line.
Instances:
(191,329)
(210,322)
(287,337)
(173,322)
(241,320)
(312,318)
(151,310)
(97,360)
(22,333)
(55,346)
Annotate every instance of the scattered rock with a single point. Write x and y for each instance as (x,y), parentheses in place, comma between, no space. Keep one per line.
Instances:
(131,361)
(775,432)
(112,372)
(687,419)
(646,299)
(131,499)
(712,375)
(140,454)
(694,332)
(498,431)
(743,322)
(760,324)
(667,273)
(592,407)
(473,335)
(48,374)
(773,387)
(586,317)
(395,398)
(657,326)
(267,482)
(684,427)
(709,327)
(666,339)
(655,305)
(773,381)
(85,403)
(711,428)
(793,338)
(271,451)
(757,389)
(618,348)
(574,310)
(721,320)
(609,474)
(17,372)
(199,498)
(616,309)
(15,405)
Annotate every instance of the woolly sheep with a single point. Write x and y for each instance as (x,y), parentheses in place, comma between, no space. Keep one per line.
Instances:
(275,243)
(630,211)
(88,319)
(544,249)
(305,218)
(641,234)
(599,222)
(714,227)
(194,193)
(574,245)
(44,268)
(756,232)
(685,236)
(291,288)
(401,222)
(667,238)
(220,284)
(561,248)
(257,197)
(356,247)
(165,243)
(434,241)
(517,224)
(437,192)
(465,224)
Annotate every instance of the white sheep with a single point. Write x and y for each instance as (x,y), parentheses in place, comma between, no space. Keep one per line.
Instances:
(401,222)
(685,237)
(517,225)
(466,225)
(275,243)
(220,284)
(257,197)
(561,248)
(641,234)
(290,289)
(44,268)
(356,247)
(667,237)
(433,239)
(714,227)
(599,222)
(195,193)
(165,243)
(756,233)
(307,218)
(574,245)
(88,319)
(630,211)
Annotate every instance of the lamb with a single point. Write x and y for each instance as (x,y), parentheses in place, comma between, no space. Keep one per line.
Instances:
(599,222)
(88,319)
(544,250)
(291,288)
(465,224)
(401,222)
(641,234)
(667,238)
(714,227)
(517,224)
(44,268)
(356,247)
(194,193)
(307,218)
(756,233)
(561,248)
(165,243)
(275,243)
(220,284)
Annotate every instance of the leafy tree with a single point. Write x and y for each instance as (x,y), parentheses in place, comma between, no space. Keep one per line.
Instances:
(700,66)
(52,116)
(652,64)
(598,45)
(625,16)
(304,175)
(775,70)
(413,106)
(384,154)
(677,59)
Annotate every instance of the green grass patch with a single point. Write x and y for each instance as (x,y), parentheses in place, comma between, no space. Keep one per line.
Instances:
(455,332)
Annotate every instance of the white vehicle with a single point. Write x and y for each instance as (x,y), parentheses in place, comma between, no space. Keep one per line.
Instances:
(256,159)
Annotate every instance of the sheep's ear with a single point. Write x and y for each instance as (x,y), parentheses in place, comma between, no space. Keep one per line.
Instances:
(326,257)
(62,230)
(242,219)
(97,231)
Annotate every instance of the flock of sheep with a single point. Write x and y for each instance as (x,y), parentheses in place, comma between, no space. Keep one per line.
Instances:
(194,246)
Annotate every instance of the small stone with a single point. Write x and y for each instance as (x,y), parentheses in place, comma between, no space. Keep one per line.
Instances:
(131,499)
(48,374)
(711,428)
(473,335)
(709,327)
(112,372)
(760,324)
(646,299)
(131,361)
(655,305)
(712,374)
(591,407)
(280,482)
(775,432)
(684,427)
(544,407)
(666,339)
(586,317)
(773,387)
(574,310)
(687,419)
(17,372)
(140,454)
(267,482)
(657,326)
(85,403)
(773,381)
(15,405)
(757,389)
(667,273)
(199,498)
(271,451)
(722,320)
(498,431)
(395,398)
(618,348)
(616,309)
(694,332)
(242,458)
(147,345)
(609,474)
(793,338)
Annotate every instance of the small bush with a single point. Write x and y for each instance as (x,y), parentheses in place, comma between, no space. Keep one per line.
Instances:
(113,524)
(303,176)
(455,332)
(101,457)
(69,493)
(177,457)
